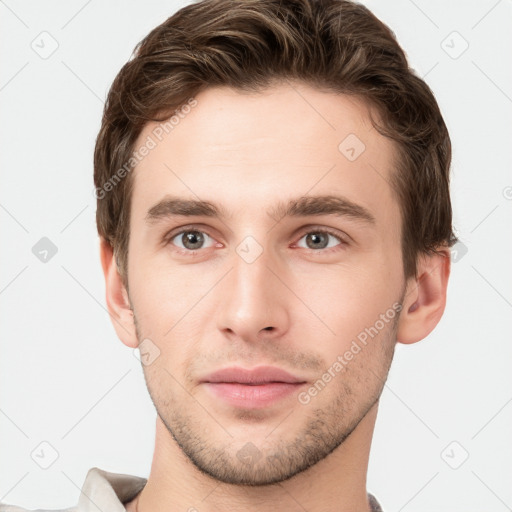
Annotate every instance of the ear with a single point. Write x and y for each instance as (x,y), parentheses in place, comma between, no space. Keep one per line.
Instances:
(118,302)
(425,297)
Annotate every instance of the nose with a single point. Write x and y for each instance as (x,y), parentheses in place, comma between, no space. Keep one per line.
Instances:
(253,301)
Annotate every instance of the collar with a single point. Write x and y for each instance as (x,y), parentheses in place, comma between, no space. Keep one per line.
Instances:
(103,490)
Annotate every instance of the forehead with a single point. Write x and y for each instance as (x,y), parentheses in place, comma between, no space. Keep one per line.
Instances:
(252,150)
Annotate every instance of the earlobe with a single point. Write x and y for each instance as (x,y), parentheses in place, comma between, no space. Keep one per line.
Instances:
(425,298)
(118,303)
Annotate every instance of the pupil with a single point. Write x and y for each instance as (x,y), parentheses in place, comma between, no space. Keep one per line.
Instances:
(316,237)
(192,240)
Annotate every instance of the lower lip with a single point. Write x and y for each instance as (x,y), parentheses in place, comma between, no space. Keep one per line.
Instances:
(255,396)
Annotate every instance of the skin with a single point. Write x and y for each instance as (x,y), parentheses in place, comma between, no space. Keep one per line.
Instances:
(294,307)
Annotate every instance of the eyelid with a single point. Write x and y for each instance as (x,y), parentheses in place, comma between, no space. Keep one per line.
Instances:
(341,236)
(318,228)
(185,229)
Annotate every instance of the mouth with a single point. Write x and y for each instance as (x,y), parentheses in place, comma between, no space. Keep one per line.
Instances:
(252,388)
(255,376)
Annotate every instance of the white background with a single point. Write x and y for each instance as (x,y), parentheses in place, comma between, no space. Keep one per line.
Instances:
(65,377)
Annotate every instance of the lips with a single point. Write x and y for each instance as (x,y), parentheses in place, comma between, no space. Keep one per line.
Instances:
(255,388)
(252,377)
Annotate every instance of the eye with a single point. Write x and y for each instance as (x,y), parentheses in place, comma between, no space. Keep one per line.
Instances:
(319,239)
(191,240)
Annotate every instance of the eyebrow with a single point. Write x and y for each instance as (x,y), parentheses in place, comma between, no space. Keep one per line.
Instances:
(304,206)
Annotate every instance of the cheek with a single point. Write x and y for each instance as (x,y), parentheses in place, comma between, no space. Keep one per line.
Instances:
(348,298)
(350,303)
(160,291)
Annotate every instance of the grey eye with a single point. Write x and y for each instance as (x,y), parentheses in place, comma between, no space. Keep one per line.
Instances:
(319,240)
(191,239)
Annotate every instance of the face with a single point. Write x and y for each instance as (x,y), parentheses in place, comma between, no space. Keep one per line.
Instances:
(294,263)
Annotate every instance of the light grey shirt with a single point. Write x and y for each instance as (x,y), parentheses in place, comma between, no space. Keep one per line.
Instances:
(109,492)
(102,490)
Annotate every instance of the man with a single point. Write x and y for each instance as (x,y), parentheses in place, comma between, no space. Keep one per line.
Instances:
(274,213)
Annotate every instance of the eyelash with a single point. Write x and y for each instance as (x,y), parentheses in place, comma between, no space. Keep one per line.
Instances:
(186,252)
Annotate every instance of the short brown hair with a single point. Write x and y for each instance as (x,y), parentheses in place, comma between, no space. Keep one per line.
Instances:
(335,45)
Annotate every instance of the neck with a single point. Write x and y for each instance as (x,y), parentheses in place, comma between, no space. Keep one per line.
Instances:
(335,484)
